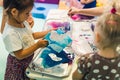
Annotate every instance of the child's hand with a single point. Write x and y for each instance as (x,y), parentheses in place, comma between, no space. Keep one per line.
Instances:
(73,11)
(86,1)
(42,43)
(83,1)
(53,29)
(30,21)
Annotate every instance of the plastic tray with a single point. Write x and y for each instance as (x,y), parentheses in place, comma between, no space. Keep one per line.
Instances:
(61,70)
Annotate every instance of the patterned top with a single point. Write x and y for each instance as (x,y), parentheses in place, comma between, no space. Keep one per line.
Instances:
(96,67)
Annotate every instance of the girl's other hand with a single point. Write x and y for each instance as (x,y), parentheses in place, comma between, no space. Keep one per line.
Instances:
(30,20)
(42,43)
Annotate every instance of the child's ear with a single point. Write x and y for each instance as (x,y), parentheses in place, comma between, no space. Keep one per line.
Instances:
(98,37)
(14,12)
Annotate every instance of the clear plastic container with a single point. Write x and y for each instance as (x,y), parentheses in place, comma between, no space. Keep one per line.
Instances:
(64,24)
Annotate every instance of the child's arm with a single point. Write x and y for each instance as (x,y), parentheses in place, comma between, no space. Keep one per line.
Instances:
(97,11)
(21,54)
(76,75)
(4,19)
(38,35)
(86,1)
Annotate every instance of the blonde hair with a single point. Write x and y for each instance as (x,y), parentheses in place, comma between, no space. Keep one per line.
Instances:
(108,26)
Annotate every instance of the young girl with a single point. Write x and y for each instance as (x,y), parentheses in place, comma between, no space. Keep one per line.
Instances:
(19,38)
(105,64)
(4,19)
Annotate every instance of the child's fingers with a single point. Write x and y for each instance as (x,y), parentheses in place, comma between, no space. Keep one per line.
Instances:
(69,12)
(54,28)
(43,43)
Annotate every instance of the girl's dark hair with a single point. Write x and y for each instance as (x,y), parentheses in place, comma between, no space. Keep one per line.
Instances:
(6,3)
(20,5)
